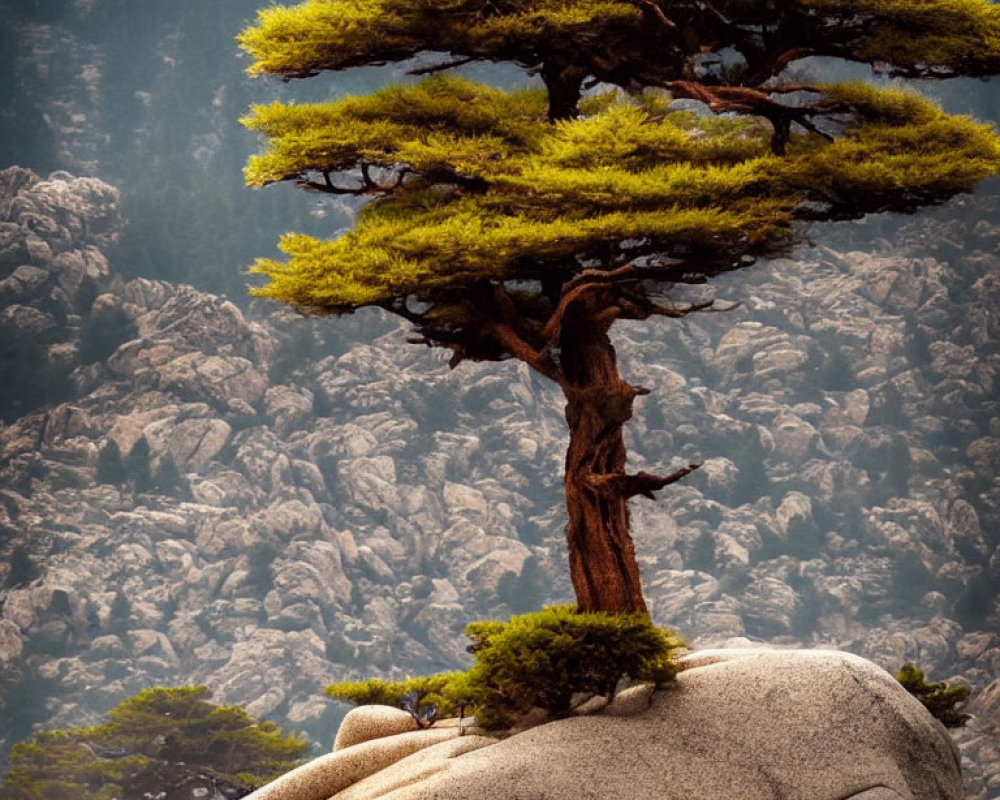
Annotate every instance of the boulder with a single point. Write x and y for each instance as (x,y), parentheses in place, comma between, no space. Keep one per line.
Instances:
(768,725)
(365,723)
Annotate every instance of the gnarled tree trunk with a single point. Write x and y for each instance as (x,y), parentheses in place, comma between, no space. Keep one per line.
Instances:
(602,561)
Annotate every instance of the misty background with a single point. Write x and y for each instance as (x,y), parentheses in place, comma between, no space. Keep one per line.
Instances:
(339,504)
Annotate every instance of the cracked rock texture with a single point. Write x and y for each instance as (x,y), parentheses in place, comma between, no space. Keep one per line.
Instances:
(318,501)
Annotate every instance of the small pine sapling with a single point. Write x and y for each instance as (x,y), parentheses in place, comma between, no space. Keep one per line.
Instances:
(539,660)
(940,699)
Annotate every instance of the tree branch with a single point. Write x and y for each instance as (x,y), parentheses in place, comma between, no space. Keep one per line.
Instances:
(654,9)
(458,62)
(576,288)
(641,483)
(744,100)
(539,361)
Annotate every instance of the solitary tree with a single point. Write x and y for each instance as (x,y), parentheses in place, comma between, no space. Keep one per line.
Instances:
(524,224)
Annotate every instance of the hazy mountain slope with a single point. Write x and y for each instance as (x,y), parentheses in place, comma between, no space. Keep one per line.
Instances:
(343,504)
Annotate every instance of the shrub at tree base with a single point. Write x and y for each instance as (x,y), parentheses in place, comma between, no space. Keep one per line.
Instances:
(938,698)
(160,739)
(534,660)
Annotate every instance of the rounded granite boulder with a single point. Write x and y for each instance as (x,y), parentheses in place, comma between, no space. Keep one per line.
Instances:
(753,724)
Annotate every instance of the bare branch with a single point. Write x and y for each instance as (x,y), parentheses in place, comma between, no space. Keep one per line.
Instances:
(327,187)
(458,62)
(521,350)
(653,8)
(587,281)
(745,100)
(771,68)
(641,483)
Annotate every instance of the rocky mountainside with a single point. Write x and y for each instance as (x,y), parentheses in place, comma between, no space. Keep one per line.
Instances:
(198,493)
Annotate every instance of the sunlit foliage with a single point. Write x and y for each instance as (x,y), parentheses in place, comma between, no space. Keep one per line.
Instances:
(550,193)
(670,145)
(940,699)
(537,660)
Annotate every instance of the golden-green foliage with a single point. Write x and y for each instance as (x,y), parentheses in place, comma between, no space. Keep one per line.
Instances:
(957,35)
(159,732)
(537,660)
(443,122)
(902,152)
(940,699)
(337,34)
(496,191)
(426,690)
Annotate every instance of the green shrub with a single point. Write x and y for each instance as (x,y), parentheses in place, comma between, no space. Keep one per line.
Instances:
(159,739)
(534,660)
(938,698)
(424,697)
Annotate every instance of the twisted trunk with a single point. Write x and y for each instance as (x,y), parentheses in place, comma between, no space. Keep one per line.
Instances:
(602,561)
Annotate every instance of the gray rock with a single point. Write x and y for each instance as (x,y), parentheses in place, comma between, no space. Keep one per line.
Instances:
(794,725)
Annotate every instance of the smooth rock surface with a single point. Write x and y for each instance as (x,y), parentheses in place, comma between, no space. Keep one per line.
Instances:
(754,724)
(365,723)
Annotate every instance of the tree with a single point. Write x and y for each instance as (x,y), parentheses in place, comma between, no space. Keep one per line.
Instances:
(137,466)
(22,568)
(161,740)
(110,467)
(168,478)
(102,333)
(524,224)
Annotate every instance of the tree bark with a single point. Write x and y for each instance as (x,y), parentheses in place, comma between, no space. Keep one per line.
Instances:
(602,561)
(563,85)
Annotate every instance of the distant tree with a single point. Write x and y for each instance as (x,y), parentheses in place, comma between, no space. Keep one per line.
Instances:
(121,612)
(102,333)
(260,566)
(110,467)
(29,379)
(977,600)
(899,467)
(138,469)
(911,580)
(701,554)
(22,567)
(163,741)
(916,344)
(85,295)
(168,478)
(805,539)
(837,374)
(525,591)
(525,224)
(752,481)
(889,408)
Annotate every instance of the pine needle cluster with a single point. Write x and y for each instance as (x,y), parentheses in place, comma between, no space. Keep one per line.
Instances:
(489,189)
(538,660)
